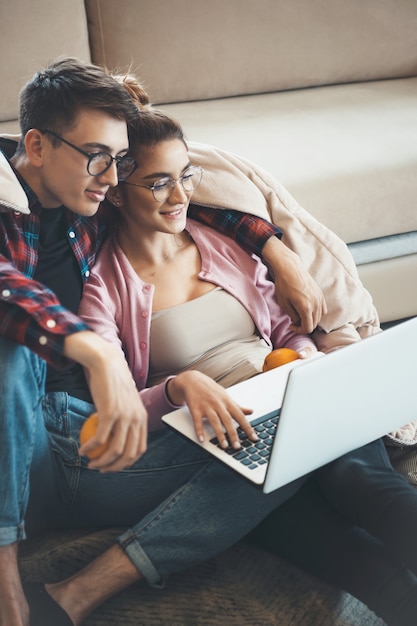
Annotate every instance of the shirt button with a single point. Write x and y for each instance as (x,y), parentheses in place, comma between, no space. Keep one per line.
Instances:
(144,313)
(142,345)
(87,273)
(6,293)
(43,340)
(147,287)
(51,323)
(71,234)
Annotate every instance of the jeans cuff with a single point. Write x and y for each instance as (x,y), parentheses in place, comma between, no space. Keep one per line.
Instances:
(13,534)
(131,546)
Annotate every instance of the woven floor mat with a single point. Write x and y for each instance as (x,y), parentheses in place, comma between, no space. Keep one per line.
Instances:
(244,586)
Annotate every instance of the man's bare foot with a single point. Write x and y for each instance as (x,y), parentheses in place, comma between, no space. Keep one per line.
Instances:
(14,610)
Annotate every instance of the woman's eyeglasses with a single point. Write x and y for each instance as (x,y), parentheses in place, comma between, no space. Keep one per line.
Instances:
(162,188)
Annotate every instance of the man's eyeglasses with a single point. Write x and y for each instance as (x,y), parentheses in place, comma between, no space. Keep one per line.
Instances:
(100,162)
(162,188)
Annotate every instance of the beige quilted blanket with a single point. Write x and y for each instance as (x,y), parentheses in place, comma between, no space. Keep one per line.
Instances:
(233,182)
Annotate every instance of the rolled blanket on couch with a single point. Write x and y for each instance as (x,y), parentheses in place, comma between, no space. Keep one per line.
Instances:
(233,182)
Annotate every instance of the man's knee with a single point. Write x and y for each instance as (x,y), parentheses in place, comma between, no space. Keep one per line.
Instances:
(19,365)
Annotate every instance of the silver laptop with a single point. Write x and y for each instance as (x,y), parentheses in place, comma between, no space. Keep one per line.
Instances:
(318,409)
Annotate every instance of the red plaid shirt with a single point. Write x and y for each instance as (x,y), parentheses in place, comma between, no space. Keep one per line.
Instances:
(31,315)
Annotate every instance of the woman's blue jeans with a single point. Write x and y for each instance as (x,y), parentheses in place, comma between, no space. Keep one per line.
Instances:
(181,507)
(353,525)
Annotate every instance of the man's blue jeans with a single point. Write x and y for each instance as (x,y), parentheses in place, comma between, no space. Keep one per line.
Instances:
(181,507)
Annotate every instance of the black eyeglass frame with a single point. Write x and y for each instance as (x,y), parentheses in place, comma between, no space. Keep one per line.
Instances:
(93,155)
(170,184)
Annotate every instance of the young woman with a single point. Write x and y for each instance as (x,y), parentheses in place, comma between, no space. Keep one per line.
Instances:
(192,315)
(179,300)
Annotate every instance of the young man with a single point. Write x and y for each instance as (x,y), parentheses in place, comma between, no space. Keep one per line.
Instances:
(73,147)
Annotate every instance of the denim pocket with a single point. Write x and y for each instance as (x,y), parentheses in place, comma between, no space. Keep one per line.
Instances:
(64,416)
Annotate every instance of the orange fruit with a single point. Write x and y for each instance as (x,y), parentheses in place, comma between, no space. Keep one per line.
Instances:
(87,431)
(278,357)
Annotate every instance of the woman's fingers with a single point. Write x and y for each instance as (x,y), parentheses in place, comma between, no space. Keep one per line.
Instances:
(225,421)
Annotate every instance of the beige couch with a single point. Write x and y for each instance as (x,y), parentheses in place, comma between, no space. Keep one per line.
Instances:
(320,93)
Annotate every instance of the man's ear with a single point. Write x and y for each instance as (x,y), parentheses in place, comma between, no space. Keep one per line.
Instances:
(113,195)
(34,146)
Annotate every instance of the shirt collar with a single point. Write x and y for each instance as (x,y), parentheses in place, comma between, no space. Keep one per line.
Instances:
(34,203)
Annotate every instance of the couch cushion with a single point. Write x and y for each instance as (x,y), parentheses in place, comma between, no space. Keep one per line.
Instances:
(33,35)
(346,153)
(392,285)
(197,50)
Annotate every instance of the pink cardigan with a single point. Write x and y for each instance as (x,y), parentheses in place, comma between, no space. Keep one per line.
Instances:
(117,304)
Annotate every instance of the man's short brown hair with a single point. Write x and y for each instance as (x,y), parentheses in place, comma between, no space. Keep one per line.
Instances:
(53,98)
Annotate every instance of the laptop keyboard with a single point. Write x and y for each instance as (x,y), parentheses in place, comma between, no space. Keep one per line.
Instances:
(252,454)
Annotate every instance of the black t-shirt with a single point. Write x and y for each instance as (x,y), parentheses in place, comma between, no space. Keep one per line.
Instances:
(58,269)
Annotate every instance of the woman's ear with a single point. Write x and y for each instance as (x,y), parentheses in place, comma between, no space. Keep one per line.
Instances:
(114,197)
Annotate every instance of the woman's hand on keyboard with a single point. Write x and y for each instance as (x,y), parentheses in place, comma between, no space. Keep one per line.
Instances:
(208,400)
